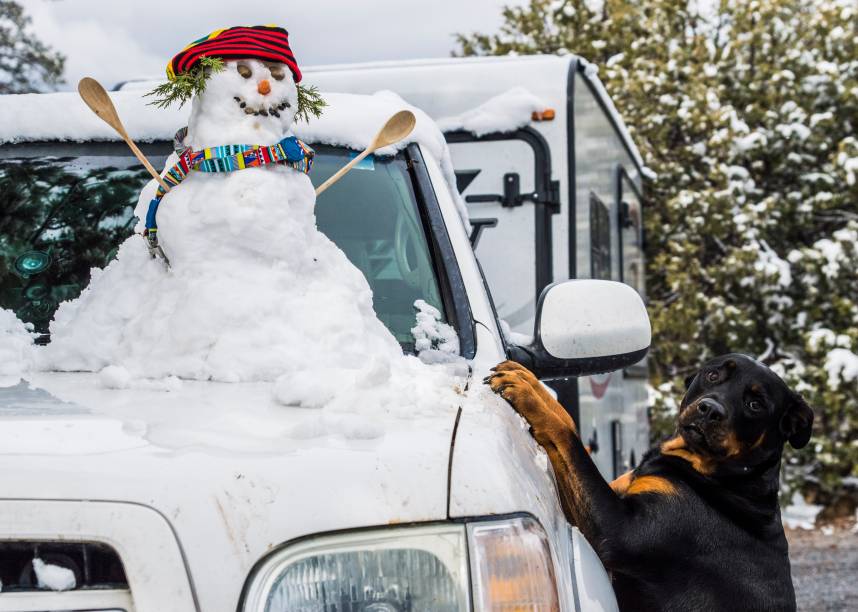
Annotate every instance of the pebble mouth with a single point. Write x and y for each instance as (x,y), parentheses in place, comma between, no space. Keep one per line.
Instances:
(273,110)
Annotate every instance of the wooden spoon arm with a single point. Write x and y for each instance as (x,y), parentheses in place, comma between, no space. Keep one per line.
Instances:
(96,98)
(139,155)
(342,171)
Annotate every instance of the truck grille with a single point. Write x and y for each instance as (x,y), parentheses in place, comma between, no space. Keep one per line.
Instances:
(95,566)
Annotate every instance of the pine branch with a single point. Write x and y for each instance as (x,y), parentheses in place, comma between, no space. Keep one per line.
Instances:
(187,84)
(310,102)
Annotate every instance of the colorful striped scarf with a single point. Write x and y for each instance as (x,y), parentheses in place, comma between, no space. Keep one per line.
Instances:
(225,158)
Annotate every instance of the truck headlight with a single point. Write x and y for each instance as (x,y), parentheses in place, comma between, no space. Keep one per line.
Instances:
(414,569)
(391,570)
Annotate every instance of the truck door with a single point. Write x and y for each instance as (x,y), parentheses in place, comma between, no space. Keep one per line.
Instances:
(506,182)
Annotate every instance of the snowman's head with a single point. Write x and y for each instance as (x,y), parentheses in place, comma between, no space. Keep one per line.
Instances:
(248,102)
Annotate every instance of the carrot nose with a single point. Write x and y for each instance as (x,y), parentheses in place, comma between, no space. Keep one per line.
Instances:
(264,87)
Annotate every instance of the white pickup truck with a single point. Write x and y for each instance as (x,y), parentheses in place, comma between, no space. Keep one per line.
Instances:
(193,498)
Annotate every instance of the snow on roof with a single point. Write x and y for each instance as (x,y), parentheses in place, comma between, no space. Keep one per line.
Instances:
(505,112)
(353,120)
(349,120)
(64,117)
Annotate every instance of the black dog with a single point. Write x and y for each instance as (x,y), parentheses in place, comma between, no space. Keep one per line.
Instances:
(696,526)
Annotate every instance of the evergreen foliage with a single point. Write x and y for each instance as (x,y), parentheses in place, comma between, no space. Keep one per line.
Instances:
(187,84)
(747,111)
(27,65)
(310,102)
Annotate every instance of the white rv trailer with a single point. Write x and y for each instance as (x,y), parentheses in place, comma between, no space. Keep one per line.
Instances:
(549,200)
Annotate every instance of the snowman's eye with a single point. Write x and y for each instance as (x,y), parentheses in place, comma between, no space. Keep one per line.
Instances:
(244,71)
(277,73)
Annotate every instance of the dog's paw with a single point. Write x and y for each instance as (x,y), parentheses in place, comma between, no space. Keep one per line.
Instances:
(515,367)
(512,386)
(520,387)
(544,419)
(510,366)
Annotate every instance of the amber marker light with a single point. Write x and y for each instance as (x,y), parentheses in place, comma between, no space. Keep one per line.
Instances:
(545,115)
(511,567)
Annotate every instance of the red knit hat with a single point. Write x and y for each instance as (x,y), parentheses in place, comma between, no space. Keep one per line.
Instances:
(267,43)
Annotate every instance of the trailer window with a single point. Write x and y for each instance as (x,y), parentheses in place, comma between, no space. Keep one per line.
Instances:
(600,239)
(62,216)
(631,248)
(631,234)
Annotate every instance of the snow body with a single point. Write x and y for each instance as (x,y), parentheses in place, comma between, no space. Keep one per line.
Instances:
(254,291)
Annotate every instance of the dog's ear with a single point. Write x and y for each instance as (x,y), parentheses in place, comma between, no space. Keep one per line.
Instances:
(689,380)
(797,421)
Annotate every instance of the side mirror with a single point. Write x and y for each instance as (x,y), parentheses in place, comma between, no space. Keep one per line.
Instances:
(586,327)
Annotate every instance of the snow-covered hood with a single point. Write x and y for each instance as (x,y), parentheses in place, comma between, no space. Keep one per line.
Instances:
(232,470)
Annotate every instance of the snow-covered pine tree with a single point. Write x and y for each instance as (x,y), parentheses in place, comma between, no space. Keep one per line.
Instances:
(748,112)
(26,63)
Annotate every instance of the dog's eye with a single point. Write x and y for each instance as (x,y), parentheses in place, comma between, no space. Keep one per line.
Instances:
(712,376)
(755,405)
(244,71)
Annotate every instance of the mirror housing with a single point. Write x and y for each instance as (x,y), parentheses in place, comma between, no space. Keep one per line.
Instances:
(586,327)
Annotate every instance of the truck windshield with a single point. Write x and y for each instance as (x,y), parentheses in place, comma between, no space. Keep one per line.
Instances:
(62,216)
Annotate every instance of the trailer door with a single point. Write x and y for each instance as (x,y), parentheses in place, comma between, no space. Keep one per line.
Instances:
(505,180)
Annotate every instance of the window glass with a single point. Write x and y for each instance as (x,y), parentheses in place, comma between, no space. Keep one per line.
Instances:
(631,236)
(600,239)
(62,216)
(631,250)
(372,214)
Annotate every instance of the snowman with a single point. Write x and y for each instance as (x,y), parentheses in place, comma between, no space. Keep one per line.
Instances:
(253,291)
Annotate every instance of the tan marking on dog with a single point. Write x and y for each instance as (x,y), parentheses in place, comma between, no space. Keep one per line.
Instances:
(676,447)
(673,444)
(621,484)
(732,446)
(651,484)
(759,441)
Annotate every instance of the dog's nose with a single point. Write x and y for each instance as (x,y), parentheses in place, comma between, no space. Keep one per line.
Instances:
(711,409)
(264,87)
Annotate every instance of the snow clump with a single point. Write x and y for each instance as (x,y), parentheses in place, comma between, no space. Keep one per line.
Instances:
(16,346)
(53,577)
(505,112)
(434,340)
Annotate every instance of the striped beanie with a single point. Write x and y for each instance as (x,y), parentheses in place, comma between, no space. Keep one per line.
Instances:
(267,43)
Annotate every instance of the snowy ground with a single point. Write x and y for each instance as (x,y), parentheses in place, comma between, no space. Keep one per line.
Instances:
(824,568)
